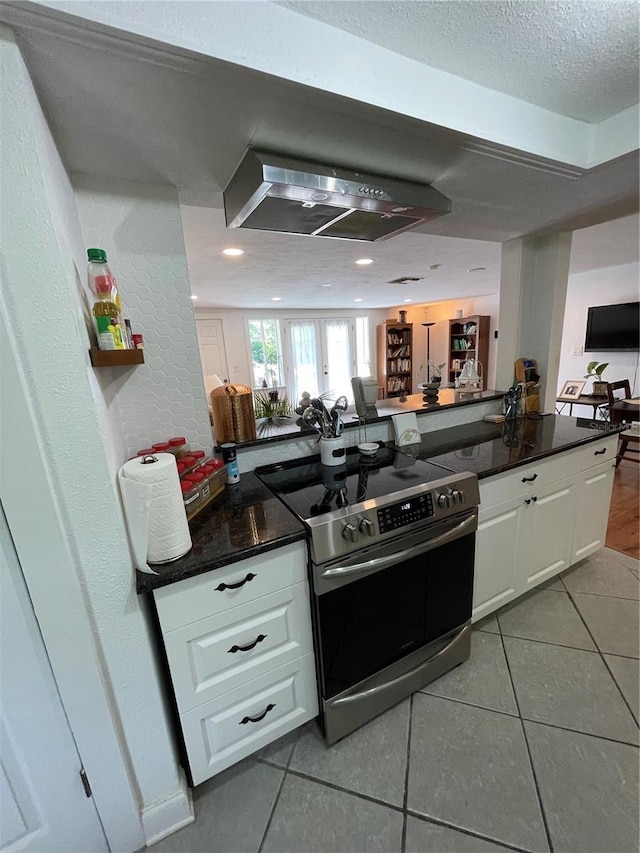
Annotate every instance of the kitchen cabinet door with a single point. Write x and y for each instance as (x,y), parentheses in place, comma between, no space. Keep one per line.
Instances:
(496,552)
(546,534)
(593,494)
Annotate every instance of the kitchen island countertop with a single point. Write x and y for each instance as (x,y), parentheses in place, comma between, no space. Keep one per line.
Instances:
(244,520)
(487,449)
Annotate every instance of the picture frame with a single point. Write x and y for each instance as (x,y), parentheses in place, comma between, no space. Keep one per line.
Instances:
(571,389)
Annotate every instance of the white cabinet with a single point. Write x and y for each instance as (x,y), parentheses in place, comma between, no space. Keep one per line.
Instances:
(239,647)
(593,493)
(537,520)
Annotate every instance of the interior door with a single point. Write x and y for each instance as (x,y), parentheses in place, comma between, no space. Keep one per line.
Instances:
(213,354)
(43,804)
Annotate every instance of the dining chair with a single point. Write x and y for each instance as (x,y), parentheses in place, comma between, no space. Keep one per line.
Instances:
(631,435)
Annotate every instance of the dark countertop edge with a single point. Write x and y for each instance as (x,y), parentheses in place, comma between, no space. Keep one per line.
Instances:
(146,582)
(593,435)
(425,408)
(590,436)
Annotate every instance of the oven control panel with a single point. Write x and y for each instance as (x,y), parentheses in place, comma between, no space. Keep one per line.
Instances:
(405,512)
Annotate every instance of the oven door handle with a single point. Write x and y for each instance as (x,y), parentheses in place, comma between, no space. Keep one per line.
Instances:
(398,556)
(377,683)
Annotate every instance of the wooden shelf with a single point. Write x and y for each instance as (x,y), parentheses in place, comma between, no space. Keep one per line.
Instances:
(480,339)
(395,349)
(115,357)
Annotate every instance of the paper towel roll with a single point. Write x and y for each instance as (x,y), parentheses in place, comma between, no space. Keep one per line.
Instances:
(154,509)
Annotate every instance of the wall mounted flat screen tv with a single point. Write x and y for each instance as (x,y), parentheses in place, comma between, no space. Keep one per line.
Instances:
(613,327)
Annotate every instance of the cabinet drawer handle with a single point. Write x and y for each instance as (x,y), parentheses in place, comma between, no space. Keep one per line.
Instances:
(222,586)
(529,479)
(534,499)
(527,501)
(248,648)
(599,452)
(245,720)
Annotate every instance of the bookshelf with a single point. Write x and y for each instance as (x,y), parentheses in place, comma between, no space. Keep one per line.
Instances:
(468,338)
(395,357)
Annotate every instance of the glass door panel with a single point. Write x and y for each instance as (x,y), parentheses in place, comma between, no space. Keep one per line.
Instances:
(338,362)
(304,367)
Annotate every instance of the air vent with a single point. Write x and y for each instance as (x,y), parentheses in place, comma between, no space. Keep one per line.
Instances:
(405,279)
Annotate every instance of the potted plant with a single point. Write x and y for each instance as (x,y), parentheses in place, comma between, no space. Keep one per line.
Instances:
(269,412)
(595,371)
(434,373)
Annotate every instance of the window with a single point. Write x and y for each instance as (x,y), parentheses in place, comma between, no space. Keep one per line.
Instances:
(266,353)
(363,347)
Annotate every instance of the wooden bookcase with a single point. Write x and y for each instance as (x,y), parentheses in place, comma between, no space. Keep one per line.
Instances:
(468,338)
(395,358)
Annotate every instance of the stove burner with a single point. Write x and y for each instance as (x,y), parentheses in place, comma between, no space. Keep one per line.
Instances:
(311,489)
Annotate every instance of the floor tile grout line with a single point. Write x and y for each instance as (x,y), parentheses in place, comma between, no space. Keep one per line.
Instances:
(513,715)
(273,811)
(547,643)
(400,809)
(528,748)
(464,831)
(528,719)
(603,659)
(596,594)
(335,787)
(406,777)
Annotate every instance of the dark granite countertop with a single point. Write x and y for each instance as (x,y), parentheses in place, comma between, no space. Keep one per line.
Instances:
(487,449)
(244,520)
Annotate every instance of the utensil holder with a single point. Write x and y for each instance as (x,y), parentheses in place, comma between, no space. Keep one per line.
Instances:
(332,451)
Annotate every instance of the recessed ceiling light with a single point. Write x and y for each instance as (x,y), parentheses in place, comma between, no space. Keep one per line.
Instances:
(357,300)
(193,296)
(276,298)
(233,253)
(476,269)
(363,262)
(326,285)
(407,300)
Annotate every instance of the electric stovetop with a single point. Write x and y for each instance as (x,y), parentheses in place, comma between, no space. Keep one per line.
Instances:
(310,489)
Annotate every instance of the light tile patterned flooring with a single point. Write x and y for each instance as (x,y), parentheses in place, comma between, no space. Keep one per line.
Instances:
(531,745)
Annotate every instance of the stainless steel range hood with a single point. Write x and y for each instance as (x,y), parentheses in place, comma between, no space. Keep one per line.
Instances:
(270,192)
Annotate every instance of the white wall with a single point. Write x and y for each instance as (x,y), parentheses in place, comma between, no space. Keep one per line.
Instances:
(140,228)
(597,287)
(440,313)
(74,433)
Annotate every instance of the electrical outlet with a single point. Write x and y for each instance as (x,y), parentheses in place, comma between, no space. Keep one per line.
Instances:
(577,350)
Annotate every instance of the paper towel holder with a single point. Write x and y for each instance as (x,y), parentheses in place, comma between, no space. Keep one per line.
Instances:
(148,458)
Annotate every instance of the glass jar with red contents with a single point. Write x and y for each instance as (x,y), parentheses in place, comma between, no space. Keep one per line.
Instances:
(200,481)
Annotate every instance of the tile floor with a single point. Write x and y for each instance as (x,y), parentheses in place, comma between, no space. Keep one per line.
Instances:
(531,745)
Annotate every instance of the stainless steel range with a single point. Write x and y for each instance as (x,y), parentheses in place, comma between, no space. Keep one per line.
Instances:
(392,544)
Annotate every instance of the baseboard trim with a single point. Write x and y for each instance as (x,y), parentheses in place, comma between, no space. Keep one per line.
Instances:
(168,815)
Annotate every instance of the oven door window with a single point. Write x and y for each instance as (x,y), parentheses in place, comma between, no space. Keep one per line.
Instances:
(373,621)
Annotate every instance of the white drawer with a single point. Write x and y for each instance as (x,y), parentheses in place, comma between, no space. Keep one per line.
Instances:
(594,453)
(222,652)
(232,726)
(519,481)
(212,592)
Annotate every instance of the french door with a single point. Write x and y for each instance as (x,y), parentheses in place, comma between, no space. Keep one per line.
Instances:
(320,356)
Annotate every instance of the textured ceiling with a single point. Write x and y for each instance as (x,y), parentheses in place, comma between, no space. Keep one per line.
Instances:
(540,51)
(120,109)
(295,268)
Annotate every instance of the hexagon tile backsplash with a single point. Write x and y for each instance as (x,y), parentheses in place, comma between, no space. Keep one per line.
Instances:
(139,227)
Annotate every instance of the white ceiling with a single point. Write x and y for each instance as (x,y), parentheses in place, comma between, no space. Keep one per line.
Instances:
(298,268)
(123,106)
(541,51)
